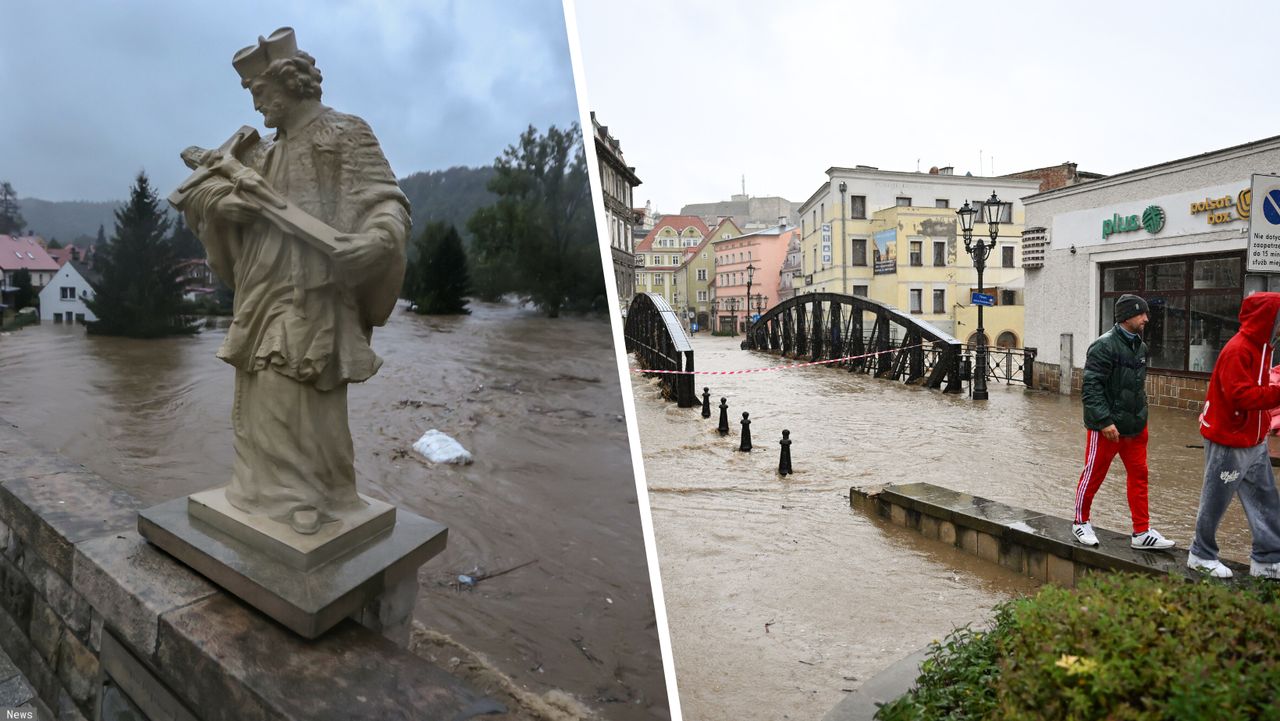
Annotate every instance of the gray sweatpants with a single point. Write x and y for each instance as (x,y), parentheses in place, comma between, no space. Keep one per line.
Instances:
(1245,471)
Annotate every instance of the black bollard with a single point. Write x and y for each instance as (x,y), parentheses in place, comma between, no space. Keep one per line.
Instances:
(706,402)
(746,433)
(784,460)
(724,417)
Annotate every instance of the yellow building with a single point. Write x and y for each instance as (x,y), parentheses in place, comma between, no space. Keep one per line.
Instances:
(664,250)
(695,278)
(895,238)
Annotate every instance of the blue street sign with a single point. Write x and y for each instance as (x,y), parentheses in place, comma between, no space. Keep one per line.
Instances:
(755,317)
(984,299)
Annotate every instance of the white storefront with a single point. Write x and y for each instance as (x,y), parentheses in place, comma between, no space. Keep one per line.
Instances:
(1174,233)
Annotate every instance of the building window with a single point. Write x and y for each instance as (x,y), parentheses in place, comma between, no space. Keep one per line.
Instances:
(942,203)
(80,318)
(859,251)
(657,279)
(917,296)
(1008,297)
(1194,306)
(702,296)
(860,291)
(1006,256)
(858,206)
(940,253)
(823,206)
(903,202)
(67,293)
(702,274)
(917,250)
(1007,340)
(939,301)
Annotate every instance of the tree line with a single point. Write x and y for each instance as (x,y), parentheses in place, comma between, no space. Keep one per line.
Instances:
(536,241)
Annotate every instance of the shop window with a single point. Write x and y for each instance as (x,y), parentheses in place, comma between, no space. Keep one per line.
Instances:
(917,250)
(1194,306)
(939,253)
(1008,297)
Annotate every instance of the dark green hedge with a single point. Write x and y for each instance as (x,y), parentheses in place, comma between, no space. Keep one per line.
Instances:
(1117,647)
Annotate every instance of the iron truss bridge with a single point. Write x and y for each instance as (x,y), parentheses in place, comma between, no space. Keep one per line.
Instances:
(866,336)
(653,332)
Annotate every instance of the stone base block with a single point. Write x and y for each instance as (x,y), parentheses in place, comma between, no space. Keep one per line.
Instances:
(308,602)
(278,540)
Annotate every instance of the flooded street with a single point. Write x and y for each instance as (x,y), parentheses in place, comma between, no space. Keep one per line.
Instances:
(536,401)
(779,596)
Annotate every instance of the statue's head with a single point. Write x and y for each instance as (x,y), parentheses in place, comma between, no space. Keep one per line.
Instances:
(278,74)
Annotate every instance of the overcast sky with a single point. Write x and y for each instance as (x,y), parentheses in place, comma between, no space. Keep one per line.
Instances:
(94,92)
(702,92)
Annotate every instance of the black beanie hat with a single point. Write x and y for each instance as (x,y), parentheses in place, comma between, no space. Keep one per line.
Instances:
(1127,306)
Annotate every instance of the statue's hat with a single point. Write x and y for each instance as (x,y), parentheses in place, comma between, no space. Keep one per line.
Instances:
(252,60)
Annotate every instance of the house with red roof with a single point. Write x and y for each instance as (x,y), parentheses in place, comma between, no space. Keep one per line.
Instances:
(24,252)
(674,260)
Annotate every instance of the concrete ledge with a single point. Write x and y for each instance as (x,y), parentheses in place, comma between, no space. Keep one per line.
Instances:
(881,688)
(1029,542)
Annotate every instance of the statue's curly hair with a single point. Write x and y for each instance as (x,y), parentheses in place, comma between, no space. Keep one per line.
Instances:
(298,75)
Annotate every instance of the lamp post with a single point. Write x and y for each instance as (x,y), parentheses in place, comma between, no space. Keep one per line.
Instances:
(844,258)
(992,213)
(715,318)
(751,272)
(675,305)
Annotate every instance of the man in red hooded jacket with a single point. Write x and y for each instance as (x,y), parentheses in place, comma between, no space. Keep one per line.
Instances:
(1234,424)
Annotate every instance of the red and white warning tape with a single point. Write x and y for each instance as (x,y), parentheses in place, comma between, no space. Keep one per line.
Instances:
(779,368)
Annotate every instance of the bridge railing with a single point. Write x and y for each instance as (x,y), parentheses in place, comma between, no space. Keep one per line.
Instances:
(1010,365)
(654,334)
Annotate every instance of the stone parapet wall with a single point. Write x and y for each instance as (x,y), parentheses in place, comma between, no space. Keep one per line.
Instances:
(81,594)
(1166,391)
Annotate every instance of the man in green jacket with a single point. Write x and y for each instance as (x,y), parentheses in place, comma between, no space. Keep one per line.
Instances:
(1115,418)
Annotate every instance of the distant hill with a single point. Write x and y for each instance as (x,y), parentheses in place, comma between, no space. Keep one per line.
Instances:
(68,220)
(451,196)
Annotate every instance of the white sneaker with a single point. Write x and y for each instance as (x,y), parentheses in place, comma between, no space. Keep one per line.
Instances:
(1150,540)
(1211,566)
(1084,533)
(1264,570)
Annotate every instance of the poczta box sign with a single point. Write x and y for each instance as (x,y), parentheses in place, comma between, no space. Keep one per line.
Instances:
(1152,220)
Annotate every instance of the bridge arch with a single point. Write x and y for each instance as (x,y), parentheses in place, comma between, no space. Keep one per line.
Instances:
(653,332)
(874,338)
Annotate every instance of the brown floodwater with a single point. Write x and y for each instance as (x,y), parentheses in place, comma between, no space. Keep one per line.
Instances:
(536,400)
(779,597)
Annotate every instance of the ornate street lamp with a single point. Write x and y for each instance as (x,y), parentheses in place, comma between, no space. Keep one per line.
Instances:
(994,211)
(844,239)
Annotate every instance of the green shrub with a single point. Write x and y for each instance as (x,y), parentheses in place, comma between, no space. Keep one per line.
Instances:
(1117,647)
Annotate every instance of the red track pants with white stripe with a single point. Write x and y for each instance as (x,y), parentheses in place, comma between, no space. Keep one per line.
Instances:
(1098,455)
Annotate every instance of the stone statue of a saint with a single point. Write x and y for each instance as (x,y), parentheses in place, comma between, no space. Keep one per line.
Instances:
(308,227)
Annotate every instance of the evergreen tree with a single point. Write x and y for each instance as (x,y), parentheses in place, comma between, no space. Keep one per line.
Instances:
(541,231)
(140,293)
(53,244)
(11,222)
(437,281)
(185,243)
(25,294)
(102,237)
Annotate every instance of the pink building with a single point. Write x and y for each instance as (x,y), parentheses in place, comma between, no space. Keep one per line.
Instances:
(24,252)
(749,264)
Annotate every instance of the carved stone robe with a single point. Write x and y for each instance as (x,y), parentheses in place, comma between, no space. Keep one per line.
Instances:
(302,324)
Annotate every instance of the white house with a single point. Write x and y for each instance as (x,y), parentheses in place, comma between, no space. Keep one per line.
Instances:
(62,300)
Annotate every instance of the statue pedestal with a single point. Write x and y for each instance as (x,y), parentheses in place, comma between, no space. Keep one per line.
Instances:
(307,583)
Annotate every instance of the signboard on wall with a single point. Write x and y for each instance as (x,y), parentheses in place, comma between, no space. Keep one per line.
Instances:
(826,244)
(886,253)
(1263,255)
